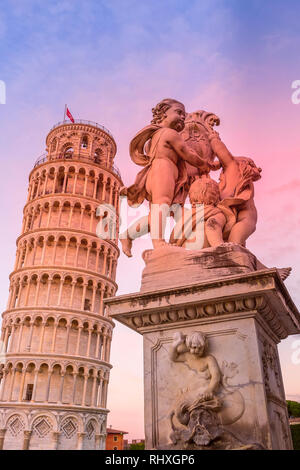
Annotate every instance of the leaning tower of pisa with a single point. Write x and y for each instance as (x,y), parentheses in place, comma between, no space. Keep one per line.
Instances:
(55,335)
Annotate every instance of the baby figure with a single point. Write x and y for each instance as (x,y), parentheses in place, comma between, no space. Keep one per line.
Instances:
(204,191)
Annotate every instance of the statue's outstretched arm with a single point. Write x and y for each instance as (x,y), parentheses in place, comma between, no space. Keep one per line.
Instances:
(175,355)
(220,149)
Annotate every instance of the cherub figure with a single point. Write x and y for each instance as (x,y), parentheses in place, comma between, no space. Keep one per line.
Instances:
(204,191)
(197,412)
(237,189)
(192,350)
(163,152)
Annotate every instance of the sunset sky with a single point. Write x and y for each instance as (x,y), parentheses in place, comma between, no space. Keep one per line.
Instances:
(111,61)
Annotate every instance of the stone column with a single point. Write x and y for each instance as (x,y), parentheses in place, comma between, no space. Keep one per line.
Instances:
(42,337)
(54,337)
(34,252)
(61,283)
(40,218)
(83,295)
(102,290)
(104,263)
(97,441)
(6,338)
(104,398)
(74,387)
(92,220)
(77,253)
(111,194)
(85,185)
(61,389)
(38,186)
(49,215)
(98,402)
(37,290)
(97,259)
(89,342)
(2,436)
(87,256)
(3,384)
(65,181)
(67,340)
(21,285)
(54,251)
(45,184)
(55,439)
(70,215)
(30,336)
(59,213)
(48,385)
(110,265)
(84,389)
(75,183)
(104,181)
(66,251)
(22,385)
(36,372)
(54,181)
(13,382)
(20,336)
(97,345)
(80,328)
(43,251)
(94,391)
(95,187)
(80,437)
(94,298)
(26,441)
(73,283)
(81,218)
(12,338)
(104,347)
(49,281)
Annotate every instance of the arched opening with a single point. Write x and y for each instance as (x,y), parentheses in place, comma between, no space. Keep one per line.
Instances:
(99,156)
(53,145)
(84,142)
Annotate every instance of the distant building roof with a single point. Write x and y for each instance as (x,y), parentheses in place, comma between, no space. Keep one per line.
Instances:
(115,431)
(294,420)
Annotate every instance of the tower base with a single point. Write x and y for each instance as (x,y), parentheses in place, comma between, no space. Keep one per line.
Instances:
(228,394)
(50,427)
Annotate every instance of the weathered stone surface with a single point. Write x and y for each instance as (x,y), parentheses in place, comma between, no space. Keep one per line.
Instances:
(172,266)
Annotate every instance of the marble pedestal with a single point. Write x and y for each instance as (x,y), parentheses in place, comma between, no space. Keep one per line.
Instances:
(244,317)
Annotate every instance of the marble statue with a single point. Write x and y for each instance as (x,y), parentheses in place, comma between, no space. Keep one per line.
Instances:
(178,150)
(163,181)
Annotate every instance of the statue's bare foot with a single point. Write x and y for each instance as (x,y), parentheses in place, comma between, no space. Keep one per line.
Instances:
(284,272)
(126,246)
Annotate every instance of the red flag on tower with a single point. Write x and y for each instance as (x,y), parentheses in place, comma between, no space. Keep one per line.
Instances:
(68,113)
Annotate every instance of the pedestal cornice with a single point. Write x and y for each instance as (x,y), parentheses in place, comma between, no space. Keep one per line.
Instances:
(261,294)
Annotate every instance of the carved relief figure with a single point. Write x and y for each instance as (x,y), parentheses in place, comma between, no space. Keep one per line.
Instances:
(199,416)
